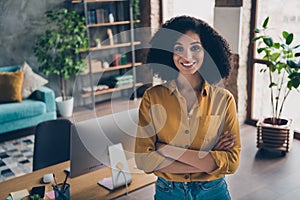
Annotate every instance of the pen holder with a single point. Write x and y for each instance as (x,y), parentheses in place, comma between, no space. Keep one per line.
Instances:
(62,193)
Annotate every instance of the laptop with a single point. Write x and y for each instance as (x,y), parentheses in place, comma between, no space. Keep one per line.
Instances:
(119,169)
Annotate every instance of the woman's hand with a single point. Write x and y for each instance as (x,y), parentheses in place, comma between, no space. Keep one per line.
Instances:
(225,142)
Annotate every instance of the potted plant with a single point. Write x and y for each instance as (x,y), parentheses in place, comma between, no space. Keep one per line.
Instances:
(58,50)
(282,66)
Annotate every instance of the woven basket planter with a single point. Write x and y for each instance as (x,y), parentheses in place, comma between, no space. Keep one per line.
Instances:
(275,137)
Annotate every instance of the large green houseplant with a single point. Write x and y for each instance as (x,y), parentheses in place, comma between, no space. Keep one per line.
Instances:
(58,48)
(282,66)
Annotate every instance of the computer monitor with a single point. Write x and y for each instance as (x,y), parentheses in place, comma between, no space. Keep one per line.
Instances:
(91,138)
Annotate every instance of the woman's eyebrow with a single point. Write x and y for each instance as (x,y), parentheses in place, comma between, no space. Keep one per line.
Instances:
(196,43)
(177,43)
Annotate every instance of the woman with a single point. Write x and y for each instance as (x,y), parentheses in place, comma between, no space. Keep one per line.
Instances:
(188,132)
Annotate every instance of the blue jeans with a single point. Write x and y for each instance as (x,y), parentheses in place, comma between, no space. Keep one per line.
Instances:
(210,190)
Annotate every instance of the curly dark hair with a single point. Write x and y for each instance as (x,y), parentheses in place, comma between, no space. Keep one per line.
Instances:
(217,51)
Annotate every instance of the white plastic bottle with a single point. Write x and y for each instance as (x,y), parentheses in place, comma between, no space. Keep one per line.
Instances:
(111,17)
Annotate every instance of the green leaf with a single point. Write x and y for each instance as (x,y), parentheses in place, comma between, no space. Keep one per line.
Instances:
(256,38)
(276,45)
(275,56)
(272,84)
(292,64)
(268,41)
(289,39)
(297,46)
(259,50)
(294,79)
(285,34)
(257,30)
(272,68)
(266,21)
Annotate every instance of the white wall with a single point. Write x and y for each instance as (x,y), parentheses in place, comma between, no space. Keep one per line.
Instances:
(203,9)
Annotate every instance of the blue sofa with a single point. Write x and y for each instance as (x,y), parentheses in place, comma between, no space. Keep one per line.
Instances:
(38,107)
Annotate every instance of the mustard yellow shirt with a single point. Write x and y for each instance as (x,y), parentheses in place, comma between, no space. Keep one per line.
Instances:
(163,117)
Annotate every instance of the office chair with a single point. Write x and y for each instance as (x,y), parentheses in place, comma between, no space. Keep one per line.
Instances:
(51,143)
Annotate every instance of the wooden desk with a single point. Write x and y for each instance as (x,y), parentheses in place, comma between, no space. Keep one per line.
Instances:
(82,187)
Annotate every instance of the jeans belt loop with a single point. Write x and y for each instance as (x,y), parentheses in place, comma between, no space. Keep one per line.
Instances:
(171,184)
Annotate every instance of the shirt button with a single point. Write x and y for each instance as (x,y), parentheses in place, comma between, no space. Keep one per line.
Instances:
(186,176)
(186,131)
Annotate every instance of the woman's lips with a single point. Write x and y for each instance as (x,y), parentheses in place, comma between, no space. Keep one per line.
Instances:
(190,64)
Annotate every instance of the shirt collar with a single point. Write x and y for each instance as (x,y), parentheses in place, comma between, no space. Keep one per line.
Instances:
(173,87)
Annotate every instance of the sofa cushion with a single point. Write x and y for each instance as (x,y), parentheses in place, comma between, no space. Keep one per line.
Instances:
(32,81)
(24,109)
(10,68)
(11,83)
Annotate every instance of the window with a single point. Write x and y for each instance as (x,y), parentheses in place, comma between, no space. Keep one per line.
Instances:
(200,9)
(284,15)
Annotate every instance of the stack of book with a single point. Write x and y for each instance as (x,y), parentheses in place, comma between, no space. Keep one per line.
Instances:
(92,17)
(124,80)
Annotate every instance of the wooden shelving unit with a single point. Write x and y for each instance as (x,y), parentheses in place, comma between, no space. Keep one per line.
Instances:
(128,65)
(128,44)
(123,45)
(111,24)
(110,90)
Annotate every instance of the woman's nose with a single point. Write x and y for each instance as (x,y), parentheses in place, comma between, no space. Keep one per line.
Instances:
(187,54)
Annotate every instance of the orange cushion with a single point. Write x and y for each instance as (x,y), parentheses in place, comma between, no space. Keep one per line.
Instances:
(11,86)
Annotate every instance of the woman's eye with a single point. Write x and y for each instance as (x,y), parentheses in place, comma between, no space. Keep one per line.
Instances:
(178,49)
(196,48)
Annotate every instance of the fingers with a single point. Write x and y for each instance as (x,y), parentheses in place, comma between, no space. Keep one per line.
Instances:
(220,140)
(223,135)
(225,142)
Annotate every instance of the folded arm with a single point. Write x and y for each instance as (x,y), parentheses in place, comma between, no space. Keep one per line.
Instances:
(181,160)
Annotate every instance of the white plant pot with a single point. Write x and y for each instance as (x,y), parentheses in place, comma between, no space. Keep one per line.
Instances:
(65,108)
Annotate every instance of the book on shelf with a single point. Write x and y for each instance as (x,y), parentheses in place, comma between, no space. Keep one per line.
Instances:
(92,17)
(100,13)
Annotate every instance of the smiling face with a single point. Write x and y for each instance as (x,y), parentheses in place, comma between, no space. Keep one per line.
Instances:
(188,53)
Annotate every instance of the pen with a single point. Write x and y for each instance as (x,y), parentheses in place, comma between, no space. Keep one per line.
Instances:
(55,180)
(65,181)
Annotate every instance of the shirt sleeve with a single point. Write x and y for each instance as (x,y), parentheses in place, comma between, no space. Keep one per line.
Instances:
(146,157)
(228,161)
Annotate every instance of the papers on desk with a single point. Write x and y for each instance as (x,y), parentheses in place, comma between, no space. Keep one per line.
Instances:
(19,194)
(50,194)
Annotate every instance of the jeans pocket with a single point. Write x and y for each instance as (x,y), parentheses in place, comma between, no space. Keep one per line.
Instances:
(219,183)
(163,185)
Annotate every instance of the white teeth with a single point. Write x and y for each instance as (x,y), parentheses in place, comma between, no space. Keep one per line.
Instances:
(188,64)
